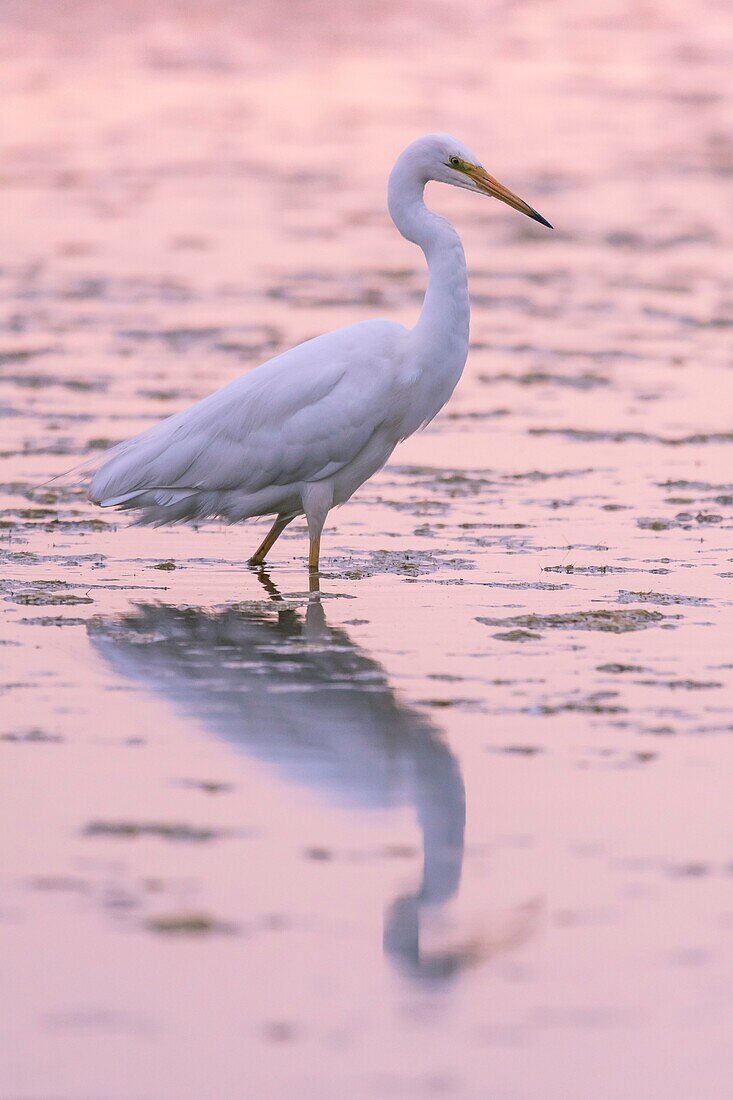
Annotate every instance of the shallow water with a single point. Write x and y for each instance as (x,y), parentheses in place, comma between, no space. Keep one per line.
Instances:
(461,827)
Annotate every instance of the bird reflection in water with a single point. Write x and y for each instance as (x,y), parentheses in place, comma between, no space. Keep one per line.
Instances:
(293,691)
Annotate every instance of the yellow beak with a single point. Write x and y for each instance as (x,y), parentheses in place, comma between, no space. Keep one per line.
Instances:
(489,186)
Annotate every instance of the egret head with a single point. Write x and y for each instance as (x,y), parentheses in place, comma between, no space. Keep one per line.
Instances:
(445,159)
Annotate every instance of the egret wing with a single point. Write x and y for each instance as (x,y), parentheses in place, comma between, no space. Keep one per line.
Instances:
(299,417)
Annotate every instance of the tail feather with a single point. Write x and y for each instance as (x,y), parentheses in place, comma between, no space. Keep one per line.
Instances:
(153,494)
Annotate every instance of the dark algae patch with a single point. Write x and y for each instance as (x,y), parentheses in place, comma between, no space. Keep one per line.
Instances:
(611,622)
(31,737)
(515,635)
(133,830)
(53,620)
(44,593)
(664,598)
(189,924)
(586,435)
(683,685)
(598,703)
(49,599)
(586,570)
(408,563)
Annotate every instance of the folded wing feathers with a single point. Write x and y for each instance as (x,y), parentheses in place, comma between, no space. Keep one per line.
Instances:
(293,419)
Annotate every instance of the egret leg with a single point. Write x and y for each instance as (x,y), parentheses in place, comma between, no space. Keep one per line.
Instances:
(270,539)
(314,554)
(317,500)
(314,584)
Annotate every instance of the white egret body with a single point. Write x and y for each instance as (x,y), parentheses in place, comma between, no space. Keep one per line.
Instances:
(299,434)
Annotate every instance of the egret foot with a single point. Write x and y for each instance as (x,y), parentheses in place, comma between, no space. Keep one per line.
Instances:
(269,541)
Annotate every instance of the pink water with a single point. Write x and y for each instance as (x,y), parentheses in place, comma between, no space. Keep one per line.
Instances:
(233,860)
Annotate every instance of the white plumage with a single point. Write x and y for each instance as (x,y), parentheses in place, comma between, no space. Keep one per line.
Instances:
(299,434)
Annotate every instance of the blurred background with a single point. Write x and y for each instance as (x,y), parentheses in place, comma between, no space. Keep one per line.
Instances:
(228,162)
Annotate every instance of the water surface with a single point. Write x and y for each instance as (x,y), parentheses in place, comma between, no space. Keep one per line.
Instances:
(461,826)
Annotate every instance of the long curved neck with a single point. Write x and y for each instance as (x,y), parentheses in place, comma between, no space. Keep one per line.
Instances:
(443,325)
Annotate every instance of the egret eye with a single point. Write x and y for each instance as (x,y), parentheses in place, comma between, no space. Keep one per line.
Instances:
(454,162)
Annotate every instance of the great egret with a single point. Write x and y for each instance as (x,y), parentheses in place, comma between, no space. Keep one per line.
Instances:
(300,433)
